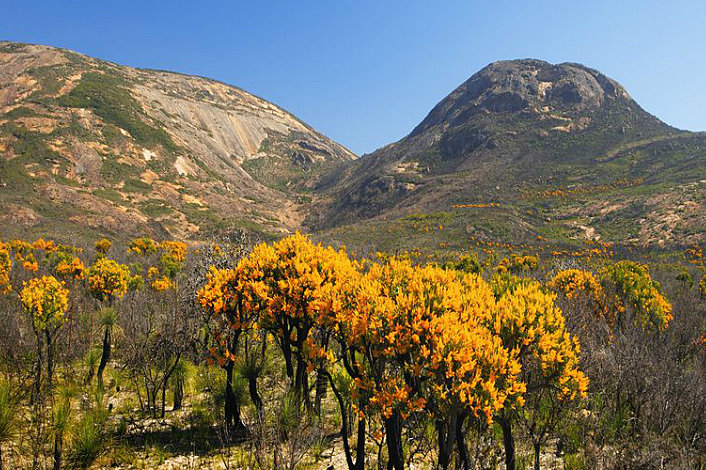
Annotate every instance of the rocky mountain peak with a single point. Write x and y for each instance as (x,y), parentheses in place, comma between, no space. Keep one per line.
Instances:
(528,85)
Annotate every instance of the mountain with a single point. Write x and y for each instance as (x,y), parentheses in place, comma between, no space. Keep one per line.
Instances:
(90,146)
(523,150)
(527,149)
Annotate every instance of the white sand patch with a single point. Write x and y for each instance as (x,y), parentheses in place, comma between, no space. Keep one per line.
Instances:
(148,154)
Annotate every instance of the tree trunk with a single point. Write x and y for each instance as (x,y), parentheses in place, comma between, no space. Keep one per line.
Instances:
(254,395)
(38,372)
(153,405)
(139,395)
(537,446)
(58,444)
(508,443)
(287,353)
(301,383)
(393,430)
(178,394)
(165,382)
(50,361)
(359,463)
(234,424)
(151,401)
(464,458)
(163,411)
(443,451)
(105,356)
(360,446)
(447,439)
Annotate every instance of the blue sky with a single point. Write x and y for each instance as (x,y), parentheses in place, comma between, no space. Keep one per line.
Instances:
(366,72)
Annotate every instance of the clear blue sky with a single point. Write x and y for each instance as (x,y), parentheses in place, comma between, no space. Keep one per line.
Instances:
(366,72)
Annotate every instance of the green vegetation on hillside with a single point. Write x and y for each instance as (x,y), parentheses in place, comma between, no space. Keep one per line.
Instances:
(108,96)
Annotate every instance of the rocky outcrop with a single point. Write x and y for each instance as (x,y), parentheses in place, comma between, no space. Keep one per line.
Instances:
(512,86)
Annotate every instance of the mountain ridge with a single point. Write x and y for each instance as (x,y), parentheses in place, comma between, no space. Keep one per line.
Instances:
(522,149)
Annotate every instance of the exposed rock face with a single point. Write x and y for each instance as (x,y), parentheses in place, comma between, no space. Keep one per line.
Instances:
(220,120)
(124,149)
(524,85)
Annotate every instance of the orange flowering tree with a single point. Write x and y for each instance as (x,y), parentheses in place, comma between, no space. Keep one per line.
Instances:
(412,339)
(48,246)
(437,335)
(142,246)
(172,257)
(396,333)
(107,281)
(71,268)
(291,286)
(340,331)
(46,300)
(637,293)
(471,372)
(288,288)
(632,291)
(516,264)
(102,246)
(29,257)
(695,256)
(145,247)
(426,348)
(65,264)
(225,301)
(162,275)
(24,255)
(582,291)
(533,329)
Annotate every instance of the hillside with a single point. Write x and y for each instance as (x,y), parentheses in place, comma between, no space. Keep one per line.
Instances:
(91,146)
(523,149)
